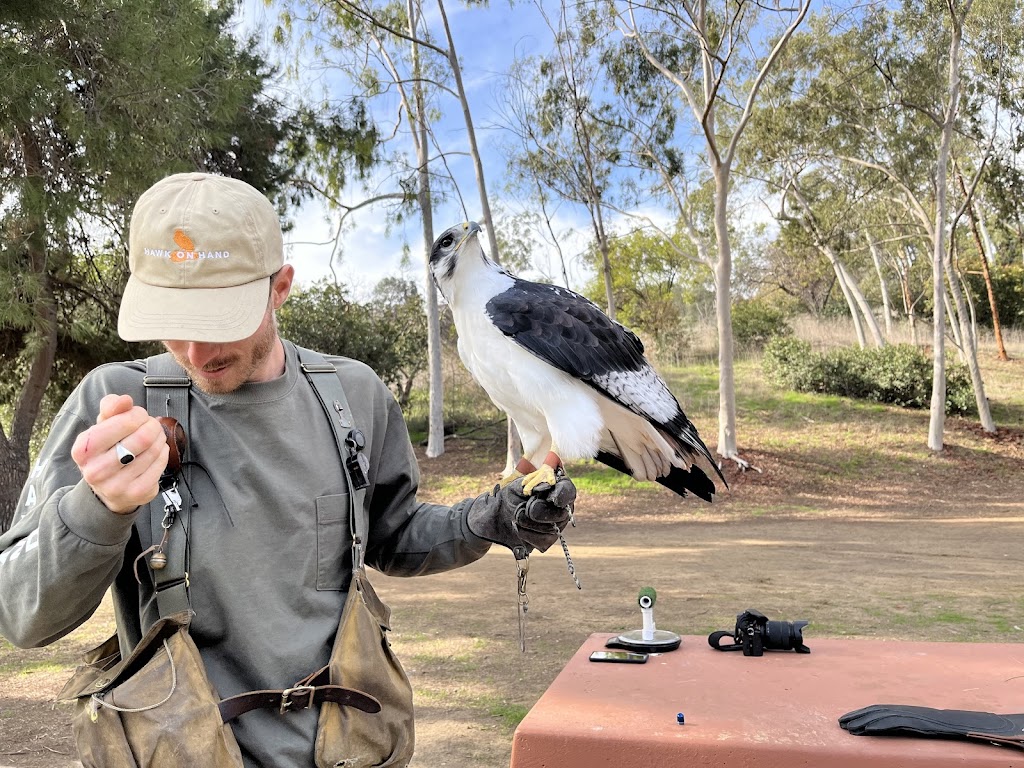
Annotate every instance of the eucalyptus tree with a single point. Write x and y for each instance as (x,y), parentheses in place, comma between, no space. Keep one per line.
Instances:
(716,56)
(568,137)
(790,264)
(810,218)
(405,65)
(656,288)
(880,93)
(98,101)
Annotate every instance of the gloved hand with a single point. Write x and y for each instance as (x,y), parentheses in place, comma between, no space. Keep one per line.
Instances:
(512,519)
(905,720)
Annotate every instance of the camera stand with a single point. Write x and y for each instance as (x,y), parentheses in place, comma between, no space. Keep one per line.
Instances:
(663,640)
(648,639)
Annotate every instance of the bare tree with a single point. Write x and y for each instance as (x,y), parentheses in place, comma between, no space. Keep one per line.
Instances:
(883,284)
(386,47)
(855,300)
(567,141)
(720,39)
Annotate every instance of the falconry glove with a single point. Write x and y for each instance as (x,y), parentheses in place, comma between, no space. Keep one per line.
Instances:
(510,518)
(905,720)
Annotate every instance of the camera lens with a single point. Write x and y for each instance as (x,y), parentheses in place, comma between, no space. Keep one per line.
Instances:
(784,635)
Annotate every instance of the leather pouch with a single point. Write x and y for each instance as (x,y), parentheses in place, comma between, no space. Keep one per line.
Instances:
(362,659)
(155,708)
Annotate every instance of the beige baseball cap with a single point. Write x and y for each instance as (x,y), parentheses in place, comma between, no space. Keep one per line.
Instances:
(201,249)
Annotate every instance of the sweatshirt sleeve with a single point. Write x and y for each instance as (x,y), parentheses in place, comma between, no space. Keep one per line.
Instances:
(407,537)
(64,548)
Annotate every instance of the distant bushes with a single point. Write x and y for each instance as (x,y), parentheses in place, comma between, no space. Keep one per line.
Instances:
(755,322)
(899,374)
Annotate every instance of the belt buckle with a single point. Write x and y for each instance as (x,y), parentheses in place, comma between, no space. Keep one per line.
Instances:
(286,697)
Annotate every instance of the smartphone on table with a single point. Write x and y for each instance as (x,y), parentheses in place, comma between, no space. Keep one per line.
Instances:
(619,657)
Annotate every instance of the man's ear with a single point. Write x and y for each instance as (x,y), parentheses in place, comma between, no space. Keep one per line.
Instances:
(282,286)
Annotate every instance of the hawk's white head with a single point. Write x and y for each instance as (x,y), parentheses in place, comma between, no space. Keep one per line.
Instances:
(456,256)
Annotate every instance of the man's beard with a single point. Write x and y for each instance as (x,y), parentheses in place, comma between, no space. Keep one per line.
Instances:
(243,364)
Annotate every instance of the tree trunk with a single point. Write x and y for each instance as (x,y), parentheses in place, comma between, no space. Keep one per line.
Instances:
(13,473)
(970,350)
(474,152)
(14,447)
(937,416)
(512,445)
(851,303)
(862,304)
(954,327)
(435,414)
(723,312)
(606,270)
(997,330)
(882,284)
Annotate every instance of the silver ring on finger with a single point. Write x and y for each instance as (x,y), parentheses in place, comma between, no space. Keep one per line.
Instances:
(123,454)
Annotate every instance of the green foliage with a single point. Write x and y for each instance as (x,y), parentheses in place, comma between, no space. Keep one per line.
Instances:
(1008,288)
(899,374)
(655,287)
(98,101)
(388,333)
(756,321)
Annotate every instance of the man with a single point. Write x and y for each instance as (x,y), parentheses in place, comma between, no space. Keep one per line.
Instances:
(268,542)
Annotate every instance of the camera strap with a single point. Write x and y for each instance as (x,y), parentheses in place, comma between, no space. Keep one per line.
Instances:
(167,394)
(715,640)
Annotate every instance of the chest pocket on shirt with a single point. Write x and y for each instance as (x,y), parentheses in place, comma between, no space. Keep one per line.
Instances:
(333,543)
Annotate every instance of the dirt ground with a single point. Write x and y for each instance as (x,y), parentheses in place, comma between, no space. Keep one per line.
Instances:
(931,551)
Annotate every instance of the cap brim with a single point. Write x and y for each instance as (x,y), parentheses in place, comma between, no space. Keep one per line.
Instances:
(155,313)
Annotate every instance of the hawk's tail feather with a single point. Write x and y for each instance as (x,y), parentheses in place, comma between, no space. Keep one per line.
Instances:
(678,480)
(682,431)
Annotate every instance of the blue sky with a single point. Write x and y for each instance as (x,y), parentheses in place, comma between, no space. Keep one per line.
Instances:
(487,40)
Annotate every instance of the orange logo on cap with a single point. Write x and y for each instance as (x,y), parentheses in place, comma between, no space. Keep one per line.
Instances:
(187,250)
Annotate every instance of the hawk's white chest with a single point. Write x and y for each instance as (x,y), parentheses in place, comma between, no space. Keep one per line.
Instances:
(545,403)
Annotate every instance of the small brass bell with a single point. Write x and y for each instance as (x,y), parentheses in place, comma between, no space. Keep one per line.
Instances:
(158,560)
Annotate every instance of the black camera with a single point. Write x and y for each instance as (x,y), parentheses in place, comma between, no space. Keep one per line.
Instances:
(755,633)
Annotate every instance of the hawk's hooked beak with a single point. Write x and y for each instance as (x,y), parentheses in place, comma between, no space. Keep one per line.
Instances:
(469,228)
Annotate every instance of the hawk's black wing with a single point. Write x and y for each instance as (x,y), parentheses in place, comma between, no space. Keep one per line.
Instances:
(567,330)
(571,333)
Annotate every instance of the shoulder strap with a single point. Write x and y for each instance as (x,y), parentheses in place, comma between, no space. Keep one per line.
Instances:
(167,394)
(323,378)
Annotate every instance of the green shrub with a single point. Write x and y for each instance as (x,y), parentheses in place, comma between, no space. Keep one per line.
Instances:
(898,374)
(845,371)
(789,362)
(959,390)
(755,322)
(902,374)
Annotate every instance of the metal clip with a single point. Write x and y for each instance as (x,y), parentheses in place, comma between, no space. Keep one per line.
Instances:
(172,506)
(172,501)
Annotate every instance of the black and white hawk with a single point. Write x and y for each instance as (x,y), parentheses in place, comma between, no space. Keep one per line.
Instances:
(575,383)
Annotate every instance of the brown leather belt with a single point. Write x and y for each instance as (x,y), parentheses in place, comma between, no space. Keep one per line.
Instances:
(303,695)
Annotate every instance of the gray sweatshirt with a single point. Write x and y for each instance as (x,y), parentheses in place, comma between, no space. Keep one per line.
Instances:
(269,543)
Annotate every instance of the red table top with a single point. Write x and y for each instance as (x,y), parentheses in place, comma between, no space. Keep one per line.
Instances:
(780,710)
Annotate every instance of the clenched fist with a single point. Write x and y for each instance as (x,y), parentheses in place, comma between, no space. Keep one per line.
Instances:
(122,486)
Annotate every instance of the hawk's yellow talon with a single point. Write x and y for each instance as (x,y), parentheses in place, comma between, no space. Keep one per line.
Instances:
(543,475)
(510,478)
